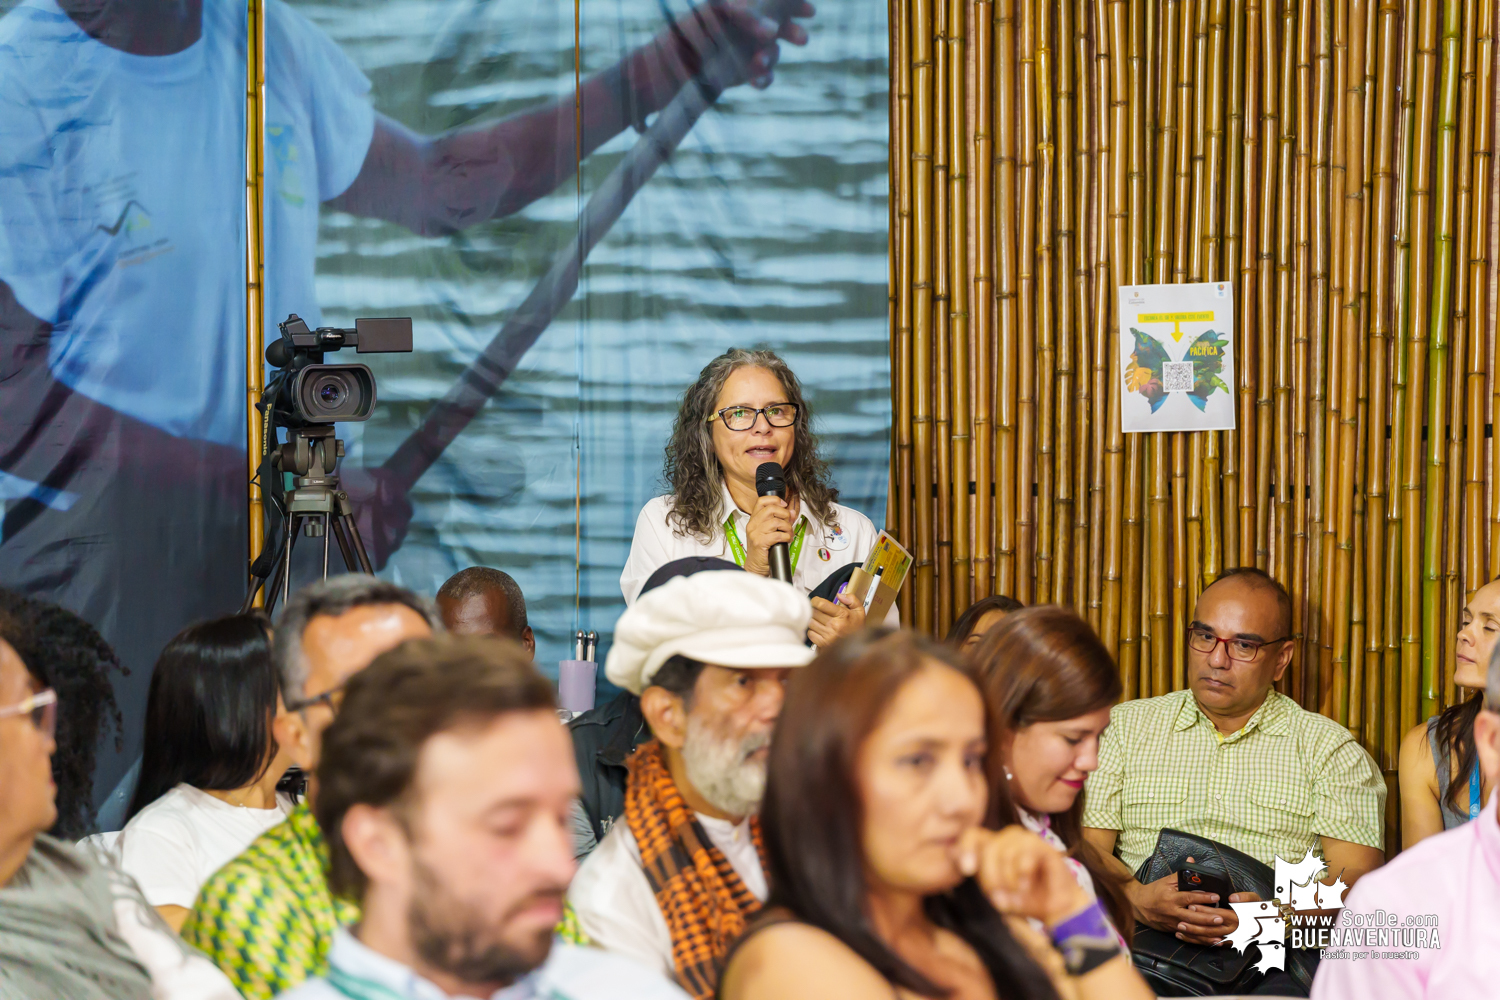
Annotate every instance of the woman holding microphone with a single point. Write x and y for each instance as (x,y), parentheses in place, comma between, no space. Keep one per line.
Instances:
(747,409)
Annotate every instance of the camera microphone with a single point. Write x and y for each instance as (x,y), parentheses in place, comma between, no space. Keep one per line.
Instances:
(770,481)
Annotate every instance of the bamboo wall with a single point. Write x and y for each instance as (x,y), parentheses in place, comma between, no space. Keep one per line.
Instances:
(1332,159)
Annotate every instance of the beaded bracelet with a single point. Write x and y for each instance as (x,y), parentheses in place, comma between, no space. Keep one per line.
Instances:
(1085,940)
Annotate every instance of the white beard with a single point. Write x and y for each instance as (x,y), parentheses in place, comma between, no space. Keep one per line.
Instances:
(719,770)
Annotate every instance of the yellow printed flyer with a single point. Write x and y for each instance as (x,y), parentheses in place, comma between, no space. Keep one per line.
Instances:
(1177,357)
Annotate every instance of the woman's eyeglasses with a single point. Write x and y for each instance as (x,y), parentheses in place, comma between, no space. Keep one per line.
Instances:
(1205,641)
(742,418)
(40,708)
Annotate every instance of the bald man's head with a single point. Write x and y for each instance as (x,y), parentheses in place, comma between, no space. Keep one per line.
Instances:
(1247,584)
(484,601)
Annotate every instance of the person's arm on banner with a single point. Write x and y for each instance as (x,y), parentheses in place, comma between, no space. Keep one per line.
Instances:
(463,177)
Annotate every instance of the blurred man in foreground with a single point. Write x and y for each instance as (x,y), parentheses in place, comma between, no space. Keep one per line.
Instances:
(445,787)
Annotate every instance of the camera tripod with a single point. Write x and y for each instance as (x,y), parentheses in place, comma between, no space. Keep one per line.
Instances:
(317,506)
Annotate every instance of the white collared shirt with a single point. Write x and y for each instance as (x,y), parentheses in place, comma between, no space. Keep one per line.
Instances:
(824,548)
(616,907)
(569,973)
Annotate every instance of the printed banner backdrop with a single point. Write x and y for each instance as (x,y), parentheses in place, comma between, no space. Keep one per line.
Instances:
(421,161)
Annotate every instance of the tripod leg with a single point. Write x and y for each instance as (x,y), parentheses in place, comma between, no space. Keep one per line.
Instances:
(337,528)
(357,543)
(327,526)
(284,574)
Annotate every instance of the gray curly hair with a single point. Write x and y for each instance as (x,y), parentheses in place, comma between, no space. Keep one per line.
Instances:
(692,470)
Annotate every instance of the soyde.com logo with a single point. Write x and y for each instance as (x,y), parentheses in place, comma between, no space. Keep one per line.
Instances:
(1315,916)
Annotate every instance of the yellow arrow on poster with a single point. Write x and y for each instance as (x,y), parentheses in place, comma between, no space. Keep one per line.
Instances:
(1176,319)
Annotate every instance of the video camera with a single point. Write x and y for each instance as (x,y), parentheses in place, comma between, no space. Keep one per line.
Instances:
(309,392)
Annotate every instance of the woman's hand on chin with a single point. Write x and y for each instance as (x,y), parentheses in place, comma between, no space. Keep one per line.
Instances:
(1021,874)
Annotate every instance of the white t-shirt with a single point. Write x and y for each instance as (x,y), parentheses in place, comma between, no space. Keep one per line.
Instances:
(616,907)
(122,201)
(824,548)
(173,845)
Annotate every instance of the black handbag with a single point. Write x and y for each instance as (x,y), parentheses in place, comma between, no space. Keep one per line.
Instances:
(1177,968)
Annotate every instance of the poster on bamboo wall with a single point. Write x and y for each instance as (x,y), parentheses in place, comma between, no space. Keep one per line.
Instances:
(1177,357)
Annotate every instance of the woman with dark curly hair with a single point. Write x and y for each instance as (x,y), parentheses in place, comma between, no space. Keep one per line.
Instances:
(746,409)
(66,654)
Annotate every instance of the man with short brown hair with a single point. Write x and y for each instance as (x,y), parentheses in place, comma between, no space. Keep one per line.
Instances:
(445,789)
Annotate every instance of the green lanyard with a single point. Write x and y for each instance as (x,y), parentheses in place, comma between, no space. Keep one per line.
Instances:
(738,549)
(358,988)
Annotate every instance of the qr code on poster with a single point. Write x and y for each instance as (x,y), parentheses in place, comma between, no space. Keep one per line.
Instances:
(1177,376)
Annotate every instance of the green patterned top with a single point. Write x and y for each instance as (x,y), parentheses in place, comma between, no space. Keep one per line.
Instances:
(267,918)
(1287,778)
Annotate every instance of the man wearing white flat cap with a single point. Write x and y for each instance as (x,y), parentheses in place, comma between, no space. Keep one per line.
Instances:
(679,876)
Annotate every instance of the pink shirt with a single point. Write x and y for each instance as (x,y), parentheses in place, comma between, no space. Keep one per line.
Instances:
(1453,877)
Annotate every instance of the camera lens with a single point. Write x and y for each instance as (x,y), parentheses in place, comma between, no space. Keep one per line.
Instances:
(329,393)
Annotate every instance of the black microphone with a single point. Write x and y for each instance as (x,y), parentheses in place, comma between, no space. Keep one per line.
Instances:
(770,482)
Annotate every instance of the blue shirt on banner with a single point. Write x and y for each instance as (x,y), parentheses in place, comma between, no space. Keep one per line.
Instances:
(122,201)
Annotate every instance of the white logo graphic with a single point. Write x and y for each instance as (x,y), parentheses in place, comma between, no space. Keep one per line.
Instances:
(1263,922)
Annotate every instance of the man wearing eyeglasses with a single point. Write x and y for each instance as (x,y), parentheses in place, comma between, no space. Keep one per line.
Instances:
(268,918)
(1233,760)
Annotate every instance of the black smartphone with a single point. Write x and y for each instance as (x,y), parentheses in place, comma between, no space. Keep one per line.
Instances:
(1192,878)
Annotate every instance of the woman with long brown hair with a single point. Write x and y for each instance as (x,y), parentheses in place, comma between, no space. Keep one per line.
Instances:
(1048,685)
(884,882)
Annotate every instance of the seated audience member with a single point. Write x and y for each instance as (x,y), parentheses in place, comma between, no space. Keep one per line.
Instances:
(1049,683)
(978,618)
(267,917)
(675,882)
(210,767)
(484,601)
(69,656)
(445,788)
(1453,878)
(1441,783)
(1233,760)
(604,736)
(71,927)
(884,882)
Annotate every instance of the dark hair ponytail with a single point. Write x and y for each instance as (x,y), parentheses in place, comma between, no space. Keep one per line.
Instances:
(209,711)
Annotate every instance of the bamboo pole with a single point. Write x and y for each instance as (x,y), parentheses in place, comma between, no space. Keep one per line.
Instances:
(1383,221)
(1189,117)
(1437,352)
(924,568)
(943,375)
(1352,344)
(1007,490)
(1113,603)
(1281,74)
(1047,325)
(255,253)
(901,370)
(1476,562)
(1084,560)
(1411,379)
(1026,103)
(1058,212)
(960,573)
(982,296)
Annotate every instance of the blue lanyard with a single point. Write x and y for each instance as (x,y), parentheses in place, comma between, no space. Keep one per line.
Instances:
(1474,793)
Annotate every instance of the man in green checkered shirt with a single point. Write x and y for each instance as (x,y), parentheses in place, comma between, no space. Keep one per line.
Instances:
(268,918)
(1232,760)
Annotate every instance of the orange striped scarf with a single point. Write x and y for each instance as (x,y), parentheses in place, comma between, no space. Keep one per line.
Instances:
(702,897)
